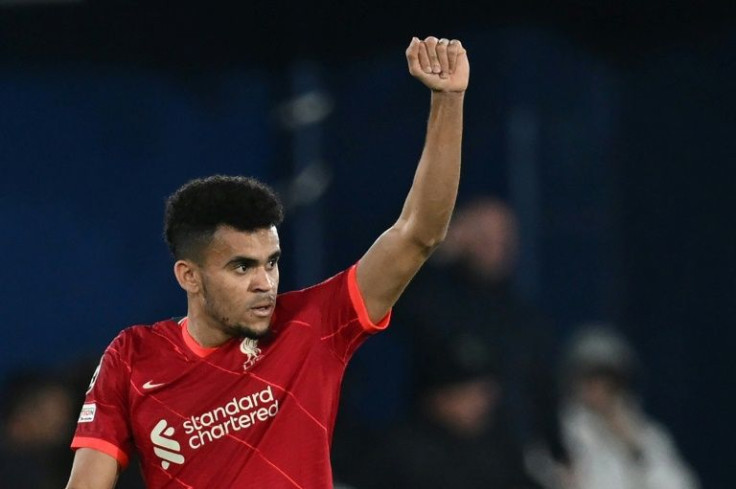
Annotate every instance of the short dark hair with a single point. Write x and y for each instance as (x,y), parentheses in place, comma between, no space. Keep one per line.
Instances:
(199,207)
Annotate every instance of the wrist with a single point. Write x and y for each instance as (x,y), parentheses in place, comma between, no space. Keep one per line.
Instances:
(448,93)
(447,99)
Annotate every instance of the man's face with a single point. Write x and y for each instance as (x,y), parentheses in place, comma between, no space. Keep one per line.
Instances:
(465,407)
(598,392)
(486,238)
(239,281)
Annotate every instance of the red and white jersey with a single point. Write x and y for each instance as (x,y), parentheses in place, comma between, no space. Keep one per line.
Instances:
(247,414)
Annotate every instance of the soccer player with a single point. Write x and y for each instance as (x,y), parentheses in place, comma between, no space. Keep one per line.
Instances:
(242,392)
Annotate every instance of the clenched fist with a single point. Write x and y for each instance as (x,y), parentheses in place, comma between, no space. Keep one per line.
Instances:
(441,64)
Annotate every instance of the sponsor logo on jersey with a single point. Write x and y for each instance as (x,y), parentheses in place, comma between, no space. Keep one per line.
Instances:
(164,446)
(87,415)
(249,347)
(240,413)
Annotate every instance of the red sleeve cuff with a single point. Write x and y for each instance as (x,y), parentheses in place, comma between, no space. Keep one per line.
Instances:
(102,446)
(356,298)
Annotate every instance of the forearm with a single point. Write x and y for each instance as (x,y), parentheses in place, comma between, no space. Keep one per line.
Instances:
(431,199)
(388,266)
(93,470)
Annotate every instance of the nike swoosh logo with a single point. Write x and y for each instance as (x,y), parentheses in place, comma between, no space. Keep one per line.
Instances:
(150,385)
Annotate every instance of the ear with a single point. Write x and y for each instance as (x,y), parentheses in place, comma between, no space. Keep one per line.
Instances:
(187,274)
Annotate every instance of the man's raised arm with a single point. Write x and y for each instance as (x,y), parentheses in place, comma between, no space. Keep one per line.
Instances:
(388,266)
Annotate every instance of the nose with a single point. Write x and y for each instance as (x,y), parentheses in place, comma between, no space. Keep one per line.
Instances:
(262,280)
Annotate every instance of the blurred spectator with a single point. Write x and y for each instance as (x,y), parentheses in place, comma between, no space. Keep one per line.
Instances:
(458,438)
(38,413)
(466,288)
(613,443)
(468,285)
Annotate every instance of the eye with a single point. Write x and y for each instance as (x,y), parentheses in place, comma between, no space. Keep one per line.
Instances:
(242,268)
(272,263)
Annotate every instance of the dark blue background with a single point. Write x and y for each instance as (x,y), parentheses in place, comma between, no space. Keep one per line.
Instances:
(619,157)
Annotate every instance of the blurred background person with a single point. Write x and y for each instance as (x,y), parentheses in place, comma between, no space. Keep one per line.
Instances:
(458,437)
(38,414)
(469,286)
(612,442)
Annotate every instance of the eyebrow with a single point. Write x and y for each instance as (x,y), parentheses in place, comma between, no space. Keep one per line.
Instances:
(248,261)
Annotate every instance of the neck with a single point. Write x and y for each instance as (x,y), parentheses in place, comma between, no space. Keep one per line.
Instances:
(202,330)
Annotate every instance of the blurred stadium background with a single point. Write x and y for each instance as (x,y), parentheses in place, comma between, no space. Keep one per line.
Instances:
(609,125)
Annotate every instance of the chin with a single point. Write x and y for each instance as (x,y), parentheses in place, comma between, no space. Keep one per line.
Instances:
(255,333)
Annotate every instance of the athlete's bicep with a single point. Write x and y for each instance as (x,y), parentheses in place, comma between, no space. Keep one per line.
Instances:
(93,469)
(386,269)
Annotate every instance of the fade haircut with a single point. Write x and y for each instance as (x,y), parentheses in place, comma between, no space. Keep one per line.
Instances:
(199,207)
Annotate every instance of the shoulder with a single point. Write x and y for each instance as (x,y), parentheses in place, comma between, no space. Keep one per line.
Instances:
(656,435)
(141,337)
(323,304)
(328,288)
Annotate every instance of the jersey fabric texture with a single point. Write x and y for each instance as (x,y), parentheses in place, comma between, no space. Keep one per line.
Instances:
(247,414)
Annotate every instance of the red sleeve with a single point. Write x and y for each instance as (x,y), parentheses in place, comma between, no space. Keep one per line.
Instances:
(342,317)
(103,421)
(356,299)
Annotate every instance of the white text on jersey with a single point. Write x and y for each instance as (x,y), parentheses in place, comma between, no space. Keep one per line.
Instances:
(237,414)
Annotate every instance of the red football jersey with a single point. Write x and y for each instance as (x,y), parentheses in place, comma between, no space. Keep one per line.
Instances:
(247,414)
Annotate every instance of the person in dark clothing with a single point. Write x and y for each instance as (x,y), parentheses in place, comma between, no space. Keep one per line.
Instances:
(37,416)
(459,437)
(469,286)
(38,410)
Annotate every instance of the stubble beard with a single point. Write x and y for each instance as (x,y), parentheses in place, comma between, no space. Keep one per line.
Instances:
(244,331)
(235,330)
(226,325)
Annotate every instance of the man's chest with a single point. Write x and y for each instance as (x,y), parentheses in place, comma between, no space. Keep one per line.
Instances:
(234,400)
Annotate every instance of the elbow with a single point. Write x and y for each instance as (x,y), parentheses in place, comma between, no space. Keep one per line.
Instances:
(428,242)
(422,239)
(431,244)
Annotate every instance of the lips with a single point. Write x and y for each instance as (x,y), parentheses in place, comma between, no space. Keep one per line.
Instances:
(262,309)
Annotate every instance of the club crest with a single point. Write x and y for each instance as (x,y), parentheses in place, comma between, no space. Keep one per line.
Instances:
(250,349)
